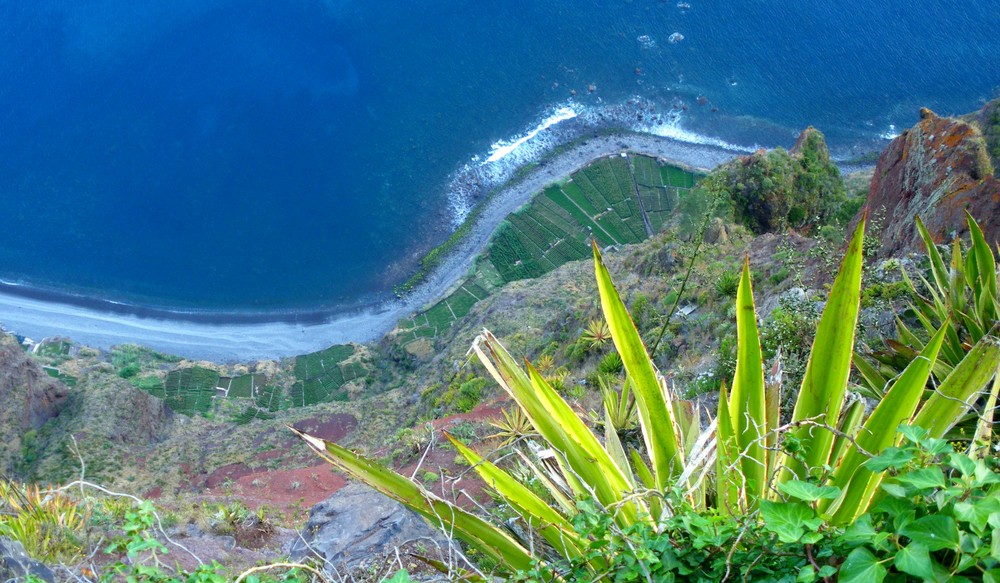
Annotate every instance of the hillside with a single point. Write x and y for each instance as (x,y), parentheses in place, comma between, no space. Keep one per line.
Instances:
(178,431)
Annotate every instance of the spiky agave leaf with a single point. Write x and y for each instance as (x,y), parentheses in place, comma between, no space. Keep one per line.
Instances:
(824,385)
(487,538)
(747,402)
(856,483)
(589,466)
(659,429)
(539,516)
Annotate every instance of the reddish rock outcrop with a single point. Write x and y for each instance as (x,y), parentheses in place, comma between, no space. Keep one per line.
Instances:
(29,395)
(937,170)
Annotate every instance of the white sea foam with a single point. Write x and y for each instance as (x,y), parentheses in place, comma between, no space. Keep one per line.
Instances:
(504,148)
(670,127)
(889,134)
(504,157)
(485,171)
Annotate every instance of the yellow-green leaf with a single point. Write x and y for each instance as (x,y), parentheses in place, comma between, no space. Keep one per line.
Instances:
(959,390)
(487,538)
(655,416)
(858,483)
(825,383)
(747,402)
(536,513)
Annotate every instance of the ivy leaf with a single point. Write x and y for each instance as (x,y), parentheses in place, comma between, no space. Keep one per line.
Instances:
(923,479)
(962,463)
(915,559)
(892,457)
(936,532)
(861,566)
(789,520)
(894,490)
(827,571)
(861,531)
(807,491)
(984,475)
(901,511)
(977,513)
(913,433)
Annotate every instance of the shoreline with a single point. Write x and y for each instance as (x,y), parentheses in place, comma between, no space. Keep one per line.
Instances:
(229,337)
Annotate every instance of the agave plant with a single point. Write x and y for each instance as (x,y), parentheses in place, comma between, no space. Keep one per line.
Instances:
(618,406)
(740,461)
(596,334)
(513,426)
(961,295)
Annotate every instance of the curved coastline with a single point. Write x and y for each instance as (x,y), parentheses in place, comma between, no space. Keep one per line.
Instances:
(246,337)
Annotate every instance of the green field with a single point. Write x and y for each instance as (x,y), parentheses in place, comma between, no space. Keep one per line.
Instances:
(615,200)
(242,387)
(321,376)
(188,390)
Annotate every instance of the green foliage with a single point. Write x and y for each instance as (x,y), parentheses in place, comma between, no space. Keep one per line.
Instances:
(759,463)
(611,363)
(125,359)
(777,189)
(596,334)
(50,526)
(462,394)
(937,519)
(789,330)
(727,284)
(145,556)
(960,294)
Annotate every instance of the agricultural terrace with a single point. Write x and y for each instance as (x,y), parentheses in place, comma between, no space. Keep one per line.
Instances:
(616,200)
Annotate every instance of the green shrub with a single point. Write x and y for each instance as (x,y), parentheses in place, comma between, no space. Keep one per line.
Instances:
(799,477)
(779,276)
(727,284)
(462,394)
(777,189)
(611,364)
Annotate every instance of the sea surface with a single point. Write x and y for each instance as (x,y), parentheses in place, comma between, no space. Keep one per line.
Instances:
(290,155)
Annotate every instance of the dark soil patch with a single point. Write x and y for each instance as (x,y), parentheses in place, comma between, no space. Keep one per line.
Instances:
(332,428)
(227,473)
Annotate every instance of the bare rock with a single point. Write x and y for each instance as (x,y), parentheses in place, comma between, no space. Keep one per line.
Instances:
(716,232)
(357,523)
(937,170)
(16,565)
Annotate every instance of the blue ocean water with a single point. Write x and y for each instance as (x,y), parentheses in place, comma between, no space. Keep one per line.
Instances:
(298,154)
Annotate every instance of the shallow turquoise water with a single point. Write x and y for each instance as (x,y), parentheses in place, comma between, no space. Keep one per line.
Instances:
(262,155)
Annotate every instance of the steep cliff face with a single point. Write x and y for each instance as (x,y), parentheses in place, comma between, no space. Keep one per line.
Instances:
(936,170)
(28,398)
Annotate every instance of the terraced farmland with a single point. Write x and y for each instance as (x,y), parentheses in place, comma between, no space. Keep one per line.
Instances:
(318,378)
(322,375)
(188,390)
(615,200)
